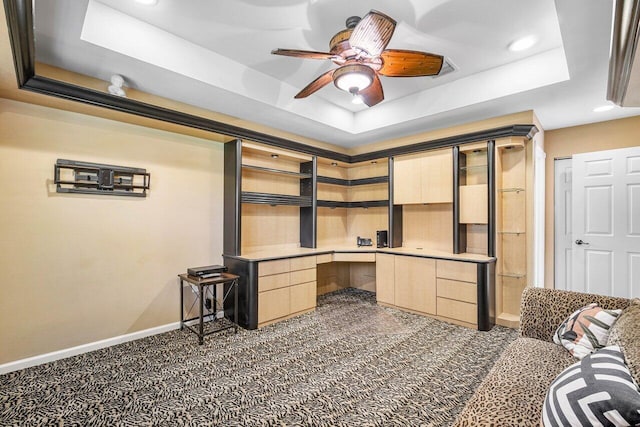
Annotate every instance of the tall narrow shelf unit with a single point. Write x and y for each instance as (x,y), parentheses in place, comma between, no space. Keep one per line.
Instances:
(513,222)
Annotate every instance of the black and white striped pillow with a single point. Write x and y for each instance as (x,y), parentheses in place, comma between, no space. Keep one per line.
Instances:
(597,391)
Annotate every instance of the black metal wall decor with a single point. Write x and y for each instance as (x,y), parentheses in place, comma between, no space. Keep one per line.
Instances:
(72,176)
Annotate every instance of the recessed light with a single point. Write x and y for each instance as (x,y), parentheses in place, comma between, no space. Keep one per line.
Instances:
(603,108)
(523,43)
(147,2)
(274,156)
(334,164)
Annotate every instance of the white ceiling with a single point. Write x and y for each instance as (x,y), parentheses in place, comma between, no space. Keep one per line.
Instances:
(216,55)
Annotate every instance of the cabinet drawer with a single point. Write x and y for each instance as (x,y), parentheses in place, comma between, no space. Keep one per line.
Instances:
(454,289)
(273,304)
(457,310)
(324,258)
(456,270)
(303,276)
(354,257)
(275,281)
(303,263)
(266,268)
(303,296)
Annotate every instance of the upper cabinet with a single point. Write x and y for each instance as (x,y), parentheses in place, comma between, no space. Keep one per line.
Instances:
(473,183)
(423,178)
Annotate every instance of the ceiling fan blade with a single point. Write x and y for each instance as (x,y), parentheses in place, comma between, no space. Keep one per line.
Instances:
(409,63)
(373,33)
(373,94)
(317,84)
(308,54)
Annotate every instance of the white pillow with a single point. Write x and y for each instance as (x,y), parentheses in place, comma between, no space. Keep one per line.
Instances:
(586,330)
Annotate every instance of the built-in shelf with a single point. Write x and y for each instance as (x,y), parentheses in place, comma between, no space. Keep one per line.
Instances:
(517,233)
(473,167)
(352,182)
(513,275)
(276,171)
(362,204)
(510,190)
(275,199)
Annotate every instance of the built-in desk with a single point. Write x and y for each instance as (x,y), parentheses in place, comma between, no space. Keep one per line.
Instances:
(278,284)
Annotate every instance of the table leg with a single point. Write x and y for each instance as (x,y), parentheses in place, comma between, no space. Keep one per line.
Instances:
(201,334)
(181,304)
(235,305)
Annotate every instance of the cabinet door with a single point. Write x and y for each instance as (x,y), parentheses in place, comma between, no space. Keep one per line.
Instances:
(473,204)
(406,180)
(415,284)
(273,304)
(303,296)
(437,176)
(385,280)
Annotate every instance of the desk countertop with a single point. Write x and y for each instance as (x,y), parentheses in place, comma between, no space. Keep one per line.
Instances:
(279,253)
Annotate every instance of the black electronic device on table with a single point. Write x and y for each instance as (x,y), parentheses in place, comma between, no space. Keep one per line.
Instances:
(363,241)
(382,238)
(207,272)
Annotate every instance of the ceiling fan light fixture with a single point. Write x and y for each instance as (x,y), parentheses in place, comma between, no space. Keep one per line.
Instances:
(357,99)
(353,78)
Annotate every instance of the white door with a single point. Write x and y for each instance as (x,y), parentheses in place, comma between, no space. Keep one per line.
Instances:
(563,243)
(606,222)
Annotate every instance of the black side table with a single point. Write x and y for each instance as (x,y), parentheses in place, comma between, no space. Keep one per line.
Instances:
(226,278)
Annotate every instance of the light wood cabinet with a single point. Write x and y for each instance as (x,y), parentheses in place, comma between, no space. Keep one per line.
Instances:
(273,304)
(385,278)
(302,297)
(457,291)
(415,284)
(286,287)
(407,179)
(423,178)
(473,202)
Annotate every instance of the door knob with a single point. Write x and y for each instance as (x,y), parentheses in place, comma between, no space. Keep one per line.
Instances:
(581,242)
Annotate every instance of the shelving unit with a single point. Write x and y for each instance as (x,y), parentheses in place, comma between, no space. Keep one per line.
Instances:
(512,222)
(269,198)
(474,224)
(353,200)
(462,198)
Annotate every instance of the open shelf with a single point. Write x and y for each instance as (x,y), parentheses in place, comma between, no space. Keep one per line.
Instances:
(275,199)
(276,171)
(352,182)
(363,204)
(473,167)
(513,275)
(510,190)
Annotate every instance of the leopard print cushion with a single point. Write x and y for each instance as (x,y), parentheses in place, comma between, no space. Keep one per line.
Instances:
(543,310)
(513,392)
(625,333)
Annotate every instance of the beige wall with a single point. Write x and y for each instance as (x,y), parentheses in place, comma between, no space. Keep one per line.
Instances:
(82,268)
(574,140)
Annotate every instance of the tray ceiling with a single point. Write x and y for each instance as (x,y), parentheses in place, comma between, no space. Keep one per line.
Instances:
(216,55)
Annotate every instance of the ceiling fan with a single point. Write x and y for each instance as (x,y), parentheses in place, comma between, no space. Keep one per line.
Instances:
(360,52)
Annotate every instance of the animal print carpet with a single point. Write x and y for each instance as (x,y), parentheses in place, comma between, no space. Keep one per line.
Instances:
(349,363)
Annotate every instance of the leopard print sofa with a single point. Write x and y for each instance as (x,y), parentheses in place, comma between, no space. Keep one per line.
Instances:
(513,391)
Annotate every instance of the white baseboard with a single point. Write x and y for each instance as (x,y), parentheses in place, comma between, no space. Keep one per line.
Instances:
(84,348)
